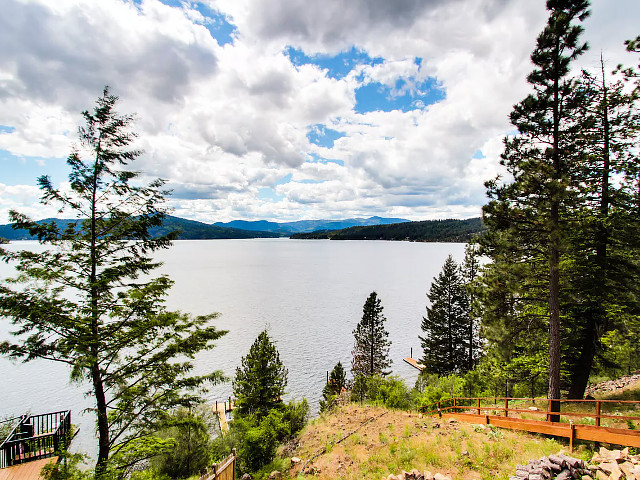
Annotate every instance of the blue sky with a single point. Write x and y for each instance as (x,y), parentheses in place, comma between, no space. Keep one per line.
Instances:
(282,110)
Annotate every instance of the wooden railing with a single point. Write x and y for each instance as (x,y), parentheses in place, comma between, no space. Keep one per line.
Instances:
(498,411)
(225,470)
(35,437)
(501,404)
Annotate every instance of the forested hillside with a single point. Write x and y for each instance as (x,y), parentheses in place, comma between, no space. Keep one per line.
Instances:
(424,231)
(189,230)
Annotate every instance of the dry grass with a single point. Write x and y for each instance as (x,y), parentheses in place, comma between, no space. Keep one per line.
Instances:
(399,441)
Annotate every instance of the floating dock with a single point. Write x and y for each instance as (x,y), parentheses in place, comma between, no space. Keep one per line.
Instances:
(414,363)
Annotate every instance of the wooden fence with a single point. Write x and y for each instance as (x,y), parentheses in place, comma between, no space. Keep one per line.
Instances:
(225,470)
(496,411)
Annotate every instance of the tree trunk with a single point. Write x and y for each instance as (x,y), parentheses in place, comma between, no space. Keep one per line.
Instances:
(554,254)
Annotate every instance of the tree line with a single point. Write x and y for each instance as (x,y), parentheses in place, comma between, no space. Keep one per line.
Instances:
(449,230)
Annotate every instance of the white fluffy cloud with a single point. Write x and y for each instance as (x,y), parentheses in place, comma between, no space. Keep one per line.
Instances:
(227,123)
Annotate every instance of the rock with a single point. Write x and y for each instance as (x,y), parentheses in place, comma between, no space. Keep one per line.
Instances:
(600,475)
(565,474)
(428,475)
(534,409)
(416,474)
(247,476)
(275,475)
(609,466)
(295,460)
(439,476)
(586,477)
(452,420)
(464,453)
(395,477)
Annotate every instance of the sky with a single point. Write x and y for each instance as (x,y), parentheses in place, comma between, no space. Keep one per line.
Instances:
(282,110)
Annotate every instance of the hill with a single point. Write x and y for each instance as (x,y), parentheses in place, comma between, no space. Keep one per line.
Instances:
(423,231)
(303,226)
(189,230)
(389,441)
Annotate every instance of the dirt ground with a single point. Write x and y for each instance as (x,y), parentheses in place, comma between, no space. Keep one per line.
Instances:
(361,442)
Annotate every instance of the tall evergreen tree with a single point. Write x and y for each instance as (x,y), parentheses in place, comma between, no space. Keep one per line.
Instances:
(371,346)
(469,271)
(260,380)
(530,214)
(603,271)
(88,301)
(446,325)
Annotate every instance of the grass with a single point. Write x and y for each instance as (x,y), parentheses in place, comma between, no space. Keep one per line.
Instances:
(400,441)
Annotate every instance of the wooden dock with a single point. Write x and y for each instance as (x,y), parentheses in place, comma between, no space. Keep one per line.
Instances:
(221,409)
(414,363)
(26,471)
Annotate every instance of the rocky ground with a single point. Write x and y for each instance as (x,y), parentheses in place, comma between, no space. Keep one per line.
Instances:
(611,386)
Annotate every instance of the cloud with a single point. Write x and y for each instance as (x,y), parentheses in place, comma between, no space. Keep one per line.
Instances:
(246,97)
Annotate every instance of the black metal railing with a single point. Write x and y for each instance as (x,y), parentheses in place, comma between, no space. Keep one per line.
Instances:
(35,437)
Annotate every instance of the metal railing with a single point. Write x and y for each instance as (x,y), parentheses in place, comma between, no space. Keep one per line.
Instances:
(36,437)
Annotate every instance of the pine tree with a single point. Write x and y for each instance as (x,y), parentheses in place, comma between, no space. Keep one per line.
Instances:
(529,215)
(336,382)
(371,346)
(446,325)
(603,246)
(469,271)
(88,301)
(260,380)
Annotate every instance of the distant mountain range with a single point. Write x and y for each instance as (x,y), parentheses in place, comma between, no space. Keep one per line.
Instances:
(192,230)
(307,225)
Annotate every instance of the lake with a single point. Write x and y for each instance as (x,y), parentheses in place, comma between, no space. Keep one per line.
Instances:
(308,294)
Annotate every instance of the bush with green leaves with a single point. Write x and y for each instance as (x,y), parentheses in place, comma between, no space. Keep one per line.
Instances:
(256,438)
(391,392)
(192,451)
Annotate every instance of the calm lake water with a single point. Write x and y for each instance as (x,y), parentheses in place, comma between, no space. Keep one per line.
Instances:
(308,294)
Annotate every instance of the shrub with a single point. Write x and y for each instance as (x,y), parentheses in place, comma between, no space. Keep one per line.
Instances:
(192,451)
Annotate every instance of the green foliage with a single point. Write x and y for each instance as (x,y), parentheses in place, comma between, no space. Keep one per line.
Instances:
(256,439)
(371,344)
(391,391)
(446,327)
(191,449)
(67,468)
(337,381)
(260,380)
(89,300)
(425,231)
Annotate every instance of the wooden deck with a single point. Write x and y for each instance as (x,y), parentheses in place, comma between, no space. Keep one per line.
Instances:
(26,471)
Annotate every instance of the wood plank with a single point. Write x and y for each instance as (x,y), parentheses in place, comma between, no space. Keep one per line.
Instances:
(414,363)
(26,471)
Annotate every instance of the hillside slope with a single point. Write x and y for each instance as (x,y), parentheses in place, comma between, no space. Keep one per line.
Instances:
(392,441)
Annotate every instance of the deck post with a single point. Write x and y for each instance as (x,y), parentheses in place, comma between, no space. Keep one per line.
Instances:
(597,413)
(506,407)
(478,405)
(571,435)
(233,452)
